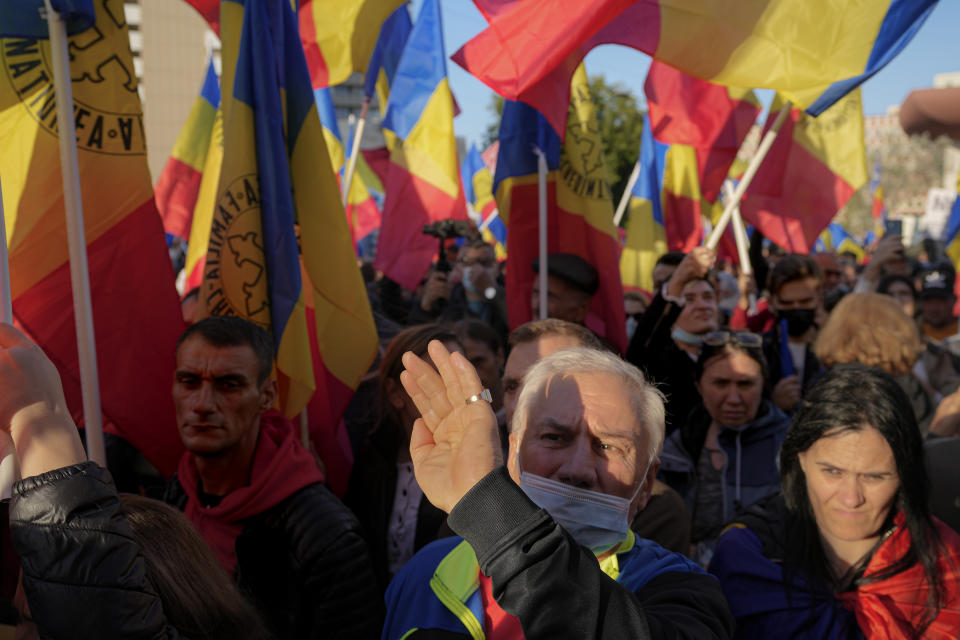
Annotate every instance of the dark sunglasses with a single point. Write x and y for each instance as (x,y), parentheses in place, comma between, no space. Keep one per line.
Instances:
(740,338)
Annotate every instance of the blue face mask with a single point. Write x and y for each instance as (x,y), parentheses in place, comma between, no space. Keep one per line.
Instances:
(681,335)
(598,521)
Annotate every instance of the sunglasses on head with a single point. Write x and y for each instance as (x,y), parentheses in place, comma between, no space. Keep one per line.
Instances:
(741,338)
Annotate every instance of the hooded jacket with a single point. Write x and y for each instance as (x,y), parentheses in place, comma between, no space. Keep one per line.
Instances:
(289,543)
(751,471)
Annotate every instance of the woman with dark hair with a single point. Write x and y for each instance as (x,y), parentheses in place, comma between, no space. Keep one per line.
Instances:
(849,548)
(383,492)
(724,456)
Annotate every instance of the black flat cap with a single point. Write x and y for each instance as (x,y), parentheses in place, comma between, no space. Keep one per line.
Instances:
(572,269)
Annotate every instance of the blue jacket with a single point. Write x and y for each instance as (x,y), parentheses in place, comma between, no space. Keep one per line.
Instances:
(752,471)
(532,562)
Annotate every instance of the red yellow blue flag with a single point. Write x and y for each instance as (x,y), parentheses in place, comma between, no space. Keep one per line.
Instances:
(276,178)
(178,186)
(363,214)
(814,51)
(423,179)
(386,56)
(136,314)
(478,187)
(813,168)
(339,36)
(579,206)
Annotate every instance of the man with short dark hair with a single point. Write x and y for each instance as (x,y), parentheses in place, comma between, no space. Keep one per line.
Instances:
(795,289)
(571,284)
(257,496)
(477,296)
(937,301)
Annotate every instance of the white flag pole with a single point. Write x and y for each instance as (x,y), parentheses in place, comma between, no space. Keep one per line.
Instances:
(486,223)
(542,199)
(354,150)
(625,198)
(758,157)
(73,206)
(739,231)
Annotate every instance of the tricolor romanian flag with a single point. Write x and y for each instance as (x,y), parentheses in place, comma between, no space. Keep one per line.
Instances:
(339,36)
(951,236)
(813,51)
(813,168)
(386,56)
(363,214)
(276,178)
(878,209)
(478,187)
(423,180)
(837,239)
(579,206)
(646,237)
(714,119)
(177,188)
(136,314)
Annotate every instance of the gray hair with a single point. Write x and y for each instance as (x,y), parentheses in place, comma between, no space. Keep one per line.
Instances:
(645,399)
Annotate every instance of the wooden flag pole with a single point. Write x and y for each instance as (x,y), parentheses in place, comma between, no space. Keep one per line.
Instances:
(73,206)
(542,199)
(304,429)
(625,198)
(747,178)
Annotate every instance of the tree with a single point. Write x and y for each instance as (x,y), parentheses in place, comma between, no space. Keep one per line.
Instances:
(621,127)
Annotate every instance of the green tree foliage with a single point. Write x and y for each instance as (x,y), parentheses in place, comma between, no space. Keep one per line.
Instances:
(621,127)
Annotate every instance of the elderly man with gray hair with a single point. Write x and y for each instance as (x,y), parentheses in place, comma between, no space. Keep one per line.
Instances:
(547,551)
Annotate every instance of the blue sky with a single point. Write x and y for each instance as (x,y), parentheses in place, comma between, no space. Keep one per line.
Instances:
(935,49)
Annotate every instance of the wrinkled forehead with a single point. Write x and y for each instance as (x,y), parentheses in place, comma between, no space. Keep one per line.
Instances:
(198,356)
(596,401)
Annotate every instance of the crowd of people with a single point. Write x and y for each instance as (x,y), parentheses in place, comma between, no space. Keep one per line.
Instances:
(770,458)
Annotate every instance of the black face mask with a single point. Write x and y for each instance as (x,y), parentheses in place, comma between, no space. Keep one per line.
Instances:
(798,320)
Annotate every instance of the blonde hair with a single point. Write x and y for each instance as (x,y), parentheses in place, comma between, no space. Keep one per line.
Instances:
(872,329)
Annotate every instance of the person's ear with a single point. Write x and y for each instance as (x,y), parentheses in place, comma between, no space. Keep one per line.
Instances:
(643,496)
(395,394)
(268,394)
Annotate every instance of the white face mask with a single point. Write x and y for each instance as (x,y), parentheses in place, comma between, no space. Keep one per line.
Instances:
(598,521)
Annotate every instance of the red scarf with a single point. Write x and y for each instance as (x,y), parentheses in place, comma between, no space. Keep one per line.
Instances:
(892,609)
(281,467)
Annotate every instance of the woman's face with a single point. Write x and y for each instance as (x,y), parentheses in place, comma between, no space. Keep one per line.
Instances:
(903,294)
(852,483)
(732,388)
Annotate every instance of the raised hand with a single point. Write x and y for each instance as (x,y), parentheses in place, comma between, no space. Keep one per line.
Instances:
(32,407)
(454,444)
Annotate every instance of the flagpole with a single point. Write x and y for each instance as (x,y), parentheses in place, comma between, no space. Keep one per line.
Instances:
(747,178)
(739,231)
(73,207)
(354,150)
(625,198)
(9,468)
(304,430)
(486,223)
(542,199)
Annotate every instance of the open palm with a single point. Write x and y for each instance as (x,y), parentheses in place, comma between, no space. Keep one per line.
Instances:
(454,444)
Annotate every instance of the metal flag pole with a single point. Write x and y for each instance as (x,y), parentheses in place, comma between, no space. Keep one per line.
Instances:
(73,207)
(625,198)
(747,178)
(542,199)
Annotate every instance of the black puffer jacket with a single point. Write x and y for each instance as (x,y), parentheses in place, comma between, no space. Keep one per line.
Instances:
(305,566)
(83,572)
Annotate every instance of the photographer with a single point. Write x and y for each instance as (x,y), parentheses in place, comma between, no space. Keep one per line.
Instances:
(477,296)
